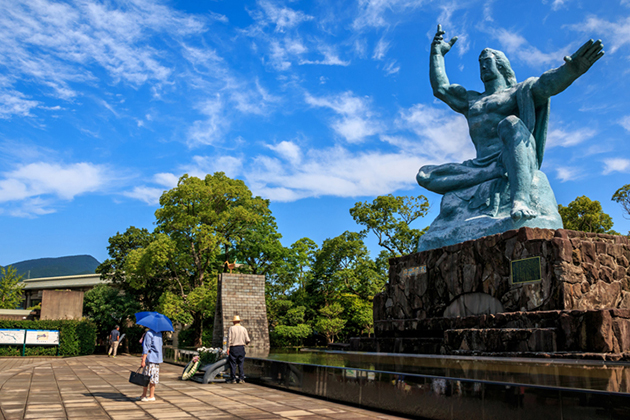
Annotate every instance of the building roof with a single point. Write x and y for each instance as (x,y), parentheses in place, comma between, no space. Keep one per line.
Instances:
(64,282)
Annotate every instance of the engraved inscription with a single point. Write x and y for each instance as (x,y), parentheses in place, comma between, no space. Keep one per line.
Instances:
(526,271)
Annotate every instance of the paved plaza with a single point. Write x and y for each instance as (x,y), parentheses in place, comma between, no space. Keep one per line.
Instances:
(97,387)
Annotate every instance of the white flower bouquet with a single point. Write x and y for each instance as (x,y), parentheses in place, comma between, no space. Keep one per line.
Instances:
(209,355)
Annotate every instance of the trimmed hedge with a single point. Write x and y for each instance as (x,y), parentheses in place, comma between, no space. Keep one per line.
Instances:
(76,338)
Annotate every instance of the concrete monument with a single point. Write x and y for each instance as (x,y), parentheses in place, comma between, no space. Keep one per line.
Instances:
(502,188)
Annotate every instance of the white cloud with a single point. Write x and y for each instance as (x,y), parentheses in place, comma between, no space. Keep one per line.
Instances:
(568,173)
(356,121)
(558,137)
(391,67)
(56,43)
(625,122)
(166,179)
(211,129)
(36,186)
(558,4)
(374,13)
(516,46)
(14,103)
(616,165)
(288,150)
(616,34)
(381,49)
(442,135)
(204,165)
(331,58)
(282,17)
(149,195)
(334,171)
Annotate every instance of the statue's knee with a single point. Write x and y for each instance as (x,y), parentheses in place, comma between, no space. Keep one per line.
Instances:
(510,124)
(512,129)
(423,177)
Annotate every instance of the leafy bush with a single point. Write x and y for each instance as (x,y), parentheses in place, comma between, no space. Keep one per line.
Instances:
(75,337)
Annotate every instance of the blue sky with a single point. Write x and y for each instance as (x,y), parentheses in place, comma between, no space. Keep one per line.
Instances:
(314,104)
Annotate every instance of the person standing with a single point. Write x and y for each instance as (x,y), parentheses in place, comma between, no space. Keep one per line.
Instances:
(114,340)
(151,359)
(237,340)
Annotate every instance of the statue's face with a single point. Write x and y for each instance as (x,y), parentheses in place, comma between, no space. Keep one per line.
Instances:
(488,67)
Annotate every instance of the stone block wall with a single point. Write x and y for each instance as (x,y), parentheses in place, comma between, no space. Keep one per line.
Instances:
(580,271)
(242,295)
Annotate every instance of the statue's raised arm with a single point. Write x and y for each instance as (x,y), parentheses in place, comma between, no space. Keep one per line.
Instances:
(555,81)
(502,188)
(453,95)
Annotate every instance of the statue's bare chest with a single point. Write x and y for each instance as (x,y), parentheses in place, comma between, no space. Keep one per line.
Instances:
(500,104)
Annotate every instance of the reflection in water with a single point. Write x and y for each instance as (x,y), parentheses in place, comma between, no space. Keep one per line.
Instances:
(572,374)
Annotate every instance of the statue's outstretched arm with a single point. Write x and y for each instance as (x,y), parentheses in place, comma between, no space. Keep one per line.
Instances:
(453,95)
(555,81)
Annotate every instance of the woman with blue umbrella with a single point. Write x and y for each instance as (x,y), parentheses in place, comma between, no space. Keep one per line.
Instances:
(152,349)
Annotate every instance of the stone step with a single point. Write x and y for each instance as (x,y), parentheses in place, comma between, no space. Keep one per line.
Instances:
(500,340)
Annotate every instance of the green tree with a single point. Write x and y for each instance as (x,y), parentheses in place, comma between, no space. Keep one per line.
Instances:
(260,247)
(290,329)
(109,306)
(329,323)
(343,265)
(198,223)
(113,268)
(622,196)
(10,288)
(389,218)
(585,215)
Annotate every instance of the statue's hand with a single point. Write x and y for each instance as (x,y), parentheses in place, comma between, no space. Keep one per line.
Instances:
(585,57)
(439,46)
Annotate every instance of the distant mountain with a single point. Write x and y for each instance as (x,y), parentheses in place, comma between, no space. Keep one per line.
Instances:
(54,267)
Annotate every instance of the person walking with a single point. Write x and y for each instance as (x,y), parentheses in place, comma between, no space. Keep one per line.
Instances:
(237,340)
(114,340)
(151,359)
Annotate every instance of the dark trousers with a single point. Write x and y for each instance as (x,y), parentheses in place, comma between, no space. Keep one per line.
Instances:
(237,356)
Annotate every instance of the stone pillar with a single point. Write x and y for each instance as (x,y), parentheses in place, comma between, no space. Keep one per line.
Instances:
(242,295)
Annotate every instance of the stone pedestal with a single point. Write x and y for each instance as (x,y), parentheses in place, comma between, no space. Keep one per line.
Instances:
(465,298)
(242,295)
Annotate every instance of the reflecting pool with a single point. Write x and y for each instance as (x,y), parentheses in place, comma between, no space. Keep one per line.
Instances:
(451,387)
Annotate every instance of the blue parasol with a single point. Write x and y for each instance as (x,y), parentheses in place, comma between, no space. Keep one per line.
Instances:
(154,320)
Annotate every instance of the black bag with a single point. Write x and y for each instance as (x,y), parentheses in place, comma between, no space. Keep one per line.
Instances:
(138,378)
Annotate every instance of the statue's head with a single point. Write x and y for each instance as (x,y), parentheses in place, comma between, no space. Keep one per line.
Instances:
(502,65)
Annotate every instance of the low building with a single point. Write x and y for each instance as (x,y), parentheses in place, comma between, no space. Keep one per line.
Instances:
(34,288)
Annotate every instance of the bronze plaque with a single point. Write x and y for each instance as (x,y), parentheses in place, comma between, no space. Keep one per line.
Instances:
(526,271)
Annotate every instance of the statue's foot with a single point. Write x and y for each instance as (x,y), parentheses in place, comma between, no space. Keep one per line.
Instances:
(520,210)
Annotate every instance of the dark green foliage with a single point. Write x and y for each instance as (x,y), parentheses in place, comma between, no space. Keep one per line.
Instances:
(622,196)
(11,350)
(76,338)
(53,267)
(389,217)
(132,339)
(108,306)
(10,288)
(585,215)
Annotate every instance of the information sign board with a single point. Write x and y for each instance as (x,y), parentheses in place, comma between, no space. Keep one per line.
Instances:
(42,337)
(12,336)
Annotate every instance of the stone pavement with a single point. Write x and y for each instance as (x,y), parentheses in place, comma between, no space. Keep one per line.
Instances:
(97,387)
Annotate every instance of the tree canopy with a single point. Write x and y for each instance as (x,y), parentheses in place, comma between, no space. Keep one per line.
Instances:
(10,288)
(622,196)
(389,217)
(585,215)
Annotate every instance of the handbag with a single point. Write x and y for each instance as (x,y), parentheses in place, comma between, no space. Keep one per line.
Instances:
(139,378)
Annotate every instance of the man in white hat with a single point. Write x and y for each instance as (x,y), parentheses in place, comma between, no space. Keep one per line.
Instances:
(237,340)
